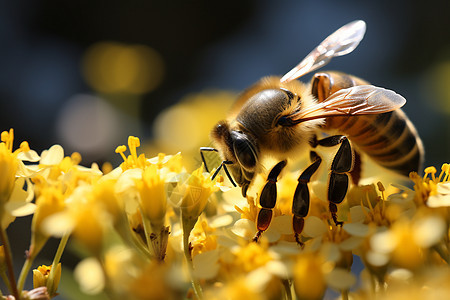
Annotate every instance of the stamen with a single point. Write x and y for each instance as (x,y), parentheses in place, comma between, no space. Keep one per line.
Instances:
(120,150)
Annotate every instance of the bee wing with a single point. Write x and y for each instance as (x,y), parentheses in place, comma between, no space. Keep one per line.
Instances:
(341,42)
(354,101)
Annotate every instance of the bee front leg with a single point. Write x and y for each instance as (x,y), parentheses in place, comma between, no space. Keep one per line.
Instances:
(300,203)
(340,167)
(268,199)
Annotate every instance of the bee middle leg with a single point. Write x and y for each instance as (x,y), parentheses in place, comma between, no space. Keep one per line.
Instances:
(268,199)
(300,203)
(340,168)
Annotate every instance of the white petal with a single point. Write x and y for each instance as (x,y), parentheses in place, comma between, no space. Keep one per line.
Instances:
(383,242)
(351,243)
(26,171)
(220,221)
(205,264)
(89,275)
(244,228)
(258,279)
(357,229)
(357,213)
(443,188)
(340,279)
(52,156)
(314,227)
(20,209)
(439,200)
(285,248)
(227,242)
(278,268)
(428,231)
(57,225)
(271,234)
(401,274)
(31,156)
(330,251)
(377,259)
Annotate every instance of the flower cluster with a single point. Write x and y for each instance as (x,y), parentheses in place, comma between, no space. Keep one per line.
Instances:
(151,229)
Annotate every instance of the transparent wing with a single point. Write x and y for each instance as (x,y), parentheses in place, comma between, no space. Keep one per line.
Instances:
(354,101)
(341,42)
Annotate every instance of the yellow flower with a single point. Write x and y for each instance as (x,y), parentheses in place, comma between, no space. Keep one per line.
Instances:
(133,160)
(41,276)
(103,191)
(251,257)
(199,187)
(203,238)
(431,189)
(407,242)
(309,276)
(8,169)
(152,194)
(11,165)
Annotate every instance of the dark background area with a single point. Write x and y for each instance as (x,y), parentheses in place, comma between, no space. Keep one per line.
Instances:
(209,44)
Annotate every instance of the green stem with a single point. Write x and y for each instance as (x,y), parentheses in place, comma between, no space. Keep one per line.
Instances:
(188,224)
(24,272)
(9,263)
(56,260)
(5,280)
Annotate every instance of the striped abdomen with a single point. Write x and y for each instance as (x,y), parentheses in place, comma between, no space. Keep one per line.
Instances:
(389,138)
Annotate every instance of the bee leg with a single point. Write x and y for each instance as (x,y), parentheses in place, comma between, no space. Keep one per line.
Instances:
(338,181)
(300,203)
(267,199)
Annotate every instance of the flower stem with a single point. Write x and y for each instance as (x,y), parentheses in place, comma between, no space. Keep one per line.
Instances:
(9,264)
(287,288)
(56,259)
(24,272)
(6,280)
(344,294)
(188,224)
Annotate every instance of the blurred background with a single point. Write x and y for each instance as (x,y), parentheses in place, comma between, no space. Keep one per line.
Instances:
(87,74)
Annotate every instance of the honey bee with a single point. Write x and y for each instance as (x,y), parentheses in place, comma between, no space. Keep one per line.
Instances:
(283,117)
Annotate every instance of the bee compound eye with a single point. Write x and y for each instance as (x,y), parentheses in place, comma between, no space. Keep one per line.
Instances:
(244,150)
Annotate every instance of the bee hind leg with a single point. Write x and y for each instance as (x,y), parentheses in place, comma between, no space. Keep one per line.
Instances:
(300,203)
(268,199)
(341,166)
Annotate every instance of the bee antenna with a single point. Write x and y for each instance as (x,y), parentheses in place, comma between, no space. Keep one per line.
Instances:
(203,157)
(224,165)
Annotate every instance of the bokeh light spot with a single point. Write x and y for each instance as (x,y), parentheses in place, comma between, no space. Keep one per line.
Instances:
(88,124)
(186,126)
(438,82)
(111,67)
